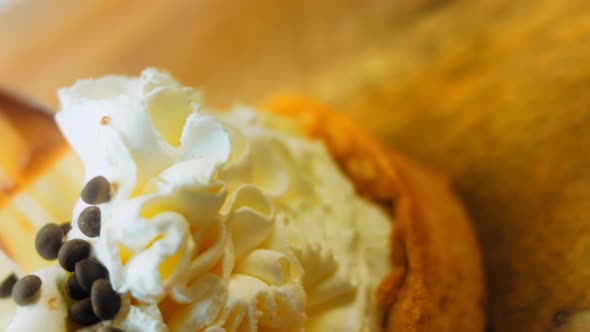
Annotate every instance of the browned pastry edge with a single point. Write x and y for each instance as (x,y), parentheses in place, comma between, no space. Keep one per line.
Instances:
(436,283)
(42,139)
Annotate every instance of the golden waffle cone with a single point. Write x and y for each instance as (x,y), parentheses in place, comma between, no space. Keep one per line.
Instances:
(436,283)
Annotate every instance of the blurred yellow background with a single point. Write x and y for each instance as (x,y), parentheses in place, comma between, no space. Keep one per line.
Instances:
(494,92)
(234,49)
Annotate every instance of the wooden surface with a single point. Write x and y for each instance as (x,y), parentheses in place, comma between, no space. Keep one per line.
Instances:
(494,92)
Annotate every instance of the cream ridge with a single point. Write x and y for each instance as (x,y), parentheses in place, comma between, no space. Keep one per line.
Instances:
(221,221)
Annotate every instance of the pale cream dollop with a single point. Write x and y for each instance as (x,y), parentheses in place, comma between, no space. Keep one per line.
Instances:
(49,311)
(226,220)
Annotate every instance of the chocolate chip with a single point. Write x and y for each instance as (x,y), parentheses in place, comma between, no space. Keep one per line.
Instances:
(26,289)
(88,271)
(76,292)
(66,227)
(72,252)
(105,301)
(81,313)
(48,241)
(110,329)
(7,285)
(89,221)
(97,191)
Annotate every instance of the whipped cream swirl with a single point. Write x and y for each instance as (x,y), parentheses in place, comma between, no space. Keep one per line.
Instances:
(227,221)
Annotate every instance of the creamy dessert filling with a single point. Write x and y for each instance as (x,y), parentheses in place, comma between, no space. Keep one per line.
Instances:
(210,221)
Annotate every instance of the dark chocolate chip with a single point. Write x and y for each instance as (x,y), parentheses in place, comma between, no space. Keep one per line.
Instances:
(110,329)
(89,221)
(74,290)
(48,241)
(105,301)
(7,285)
(72,252)
(26,290)
(81,313)
(88,271)
(66,227)
(97,191)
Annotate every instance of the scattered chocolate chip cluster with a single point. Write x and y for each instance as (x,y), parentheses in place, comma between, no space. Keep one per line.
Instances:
(88,284)
(96,191)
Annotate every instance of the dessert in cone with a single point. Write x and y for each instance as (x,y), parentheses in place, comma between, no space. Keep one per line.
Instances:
(430,279)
